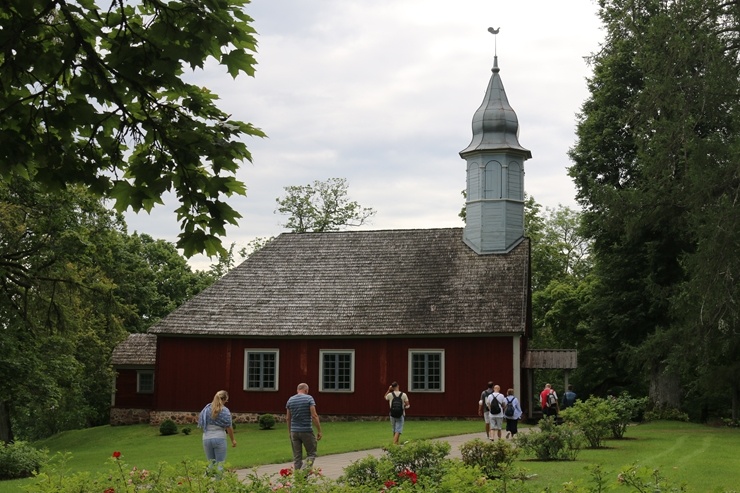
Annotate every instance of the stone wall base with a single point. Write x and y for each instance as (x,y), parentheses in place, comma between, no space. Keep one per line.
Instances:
(155,418)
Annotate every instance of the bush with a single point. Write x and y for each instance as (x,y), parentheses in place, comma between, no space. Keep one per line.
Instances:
(628,409)
(187,430)
(493,458)
(594,418)
(168,427)
(666,413)
(552,441)
(20,460)
(266,421)
(422,457)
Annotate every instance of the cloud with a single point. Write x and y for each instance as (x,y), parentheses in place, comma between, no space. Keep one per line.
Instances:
(382,93)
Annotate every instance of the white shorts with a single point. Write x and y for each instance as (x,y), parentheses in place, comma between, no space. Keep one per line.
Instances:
(486,417)
(496,422)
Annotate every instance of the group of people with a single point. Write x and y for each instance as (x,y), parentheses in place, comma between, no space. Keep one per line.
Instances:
(300,416)
(496,408)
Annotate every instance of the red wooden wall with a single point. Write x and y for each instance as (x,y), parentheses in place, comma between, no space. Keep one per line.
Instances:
(191,370)
(126,395)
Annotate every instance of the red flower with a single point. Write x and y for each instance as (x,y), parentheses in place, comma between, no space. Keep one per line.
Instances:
(408,473)
(110,490)
(390,484)
(286,472)
(116,454)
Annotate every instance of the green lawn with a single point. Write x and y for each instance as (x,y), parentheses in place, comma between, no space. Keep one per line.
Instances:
(707,459)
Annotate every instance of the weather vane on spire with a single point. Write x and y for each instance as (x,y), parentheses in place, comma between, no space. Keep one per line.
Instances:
(494,32)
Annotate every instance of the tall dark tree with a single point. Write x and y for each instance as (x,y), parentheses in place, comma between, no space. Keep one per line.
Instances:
(661,114)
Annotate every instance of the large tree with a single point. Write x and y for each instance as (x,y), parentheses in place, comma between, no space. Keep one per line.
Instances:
(95,95)
(656,152)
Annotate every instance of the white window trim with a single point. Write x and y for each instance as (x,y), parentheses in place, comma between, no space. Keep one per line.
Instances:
(139,373)
(351,352)
(413,351)
(276,351)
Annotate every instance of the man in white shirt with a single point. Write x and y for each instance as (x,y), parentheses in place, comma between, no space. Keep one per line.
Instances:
(496,403)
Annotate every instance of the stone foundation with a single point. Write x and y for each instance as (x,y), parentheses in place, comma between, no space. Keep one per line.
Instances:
(155,418)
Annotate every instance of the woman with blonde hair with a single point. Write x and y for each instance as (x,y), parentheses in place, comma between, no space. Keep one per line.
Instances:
(215,421)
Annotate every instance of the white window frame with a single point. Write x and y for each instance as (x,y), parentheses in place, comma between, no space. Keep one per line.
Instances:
(249,351)
(441,353)
(323,352)
(139,389)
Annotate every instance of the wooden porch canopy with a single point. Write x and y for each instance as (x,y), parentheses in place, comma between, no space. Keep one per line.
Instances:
(547,359)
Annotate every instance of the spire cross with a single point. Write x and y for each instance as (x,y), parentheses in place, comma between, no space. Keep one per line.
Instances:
(494,32)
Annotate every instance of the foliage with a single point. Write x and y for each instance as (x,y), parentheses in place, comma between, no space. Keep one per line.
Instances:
(168,427)
(20,460)
(492,457)
(551,441)
(420,456)
(594,418)
(266,421)
(656,171)
(645,480)
(98,99)
(627,410)
(322,206)
(665,413)
(187,430)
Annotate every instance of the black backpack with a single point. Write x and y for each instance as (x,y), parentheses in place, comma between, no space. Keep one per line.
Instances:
(509,411)
(495,405)
(397,405)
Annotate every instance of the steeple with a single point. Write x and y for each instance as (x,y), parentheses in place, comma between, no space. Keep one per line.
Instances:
(495,173)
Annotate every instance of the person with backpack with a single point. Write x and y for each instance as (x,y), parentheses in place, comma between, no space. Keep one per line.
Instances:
(496,403)
(549,401)
(483,408)
(398,402)
(512,413)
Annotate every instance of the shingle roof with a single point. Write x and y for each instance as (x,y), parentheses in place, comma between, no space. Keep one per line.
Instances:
(137,350)
(362,283)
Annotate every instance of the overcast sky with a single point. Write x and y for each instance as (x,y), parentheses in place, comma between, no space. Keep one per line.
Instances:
(382,93)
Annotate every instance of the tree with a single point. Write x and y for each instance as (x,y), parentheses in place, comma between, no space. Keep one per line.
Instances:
(97,98)
(322,206)
(654,163)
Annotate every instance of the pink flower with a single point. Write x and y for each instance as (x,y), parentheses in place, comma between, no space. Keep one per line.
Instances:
(116,455)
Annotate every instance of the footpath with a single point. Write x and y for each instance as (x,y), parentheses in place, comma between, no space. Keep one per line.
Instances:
(332,466)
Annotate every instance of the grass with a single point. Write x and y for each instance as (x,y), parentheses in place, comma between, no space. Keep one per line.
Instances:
(707,459)
(142,446)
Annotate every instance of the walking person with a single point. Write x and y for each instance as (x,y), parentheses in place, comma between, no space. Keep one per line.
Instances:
(398,402)
(549,401)
(483,408)
(300,414)
(512,413)
(569,398)
(215,421)
(496,411)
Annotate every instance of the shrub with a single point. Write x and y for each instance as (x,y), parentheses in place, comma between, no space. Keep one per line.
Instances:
(266,421)
(666,413)
(594,418)
(627,409)
(187,430)
(168,427)
(369,471)
(422,456)
(493,458)
(552,441)
(20,460)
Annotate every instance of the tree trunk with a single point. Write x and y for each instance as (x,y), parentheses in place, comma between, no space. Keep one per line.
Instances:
(665,389)
(6,432)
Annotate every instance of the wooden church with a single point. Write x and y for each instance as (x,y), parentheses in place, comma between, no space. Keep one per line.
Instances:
(442,311)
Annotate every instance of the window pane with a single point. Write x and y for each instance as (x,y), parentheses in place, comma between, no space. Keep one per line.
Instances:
(261,370)
(336,371)
(426,371)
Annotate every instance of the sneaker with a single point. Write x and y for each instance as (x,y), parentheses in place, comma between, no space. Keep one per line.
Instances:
(508,435)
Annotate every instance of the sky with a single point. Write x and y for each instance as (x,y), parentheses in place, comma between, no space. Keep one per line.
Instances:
(382,93)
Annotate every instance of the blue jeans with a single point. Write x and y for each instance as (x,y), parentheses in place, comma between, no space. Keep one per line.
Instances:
(397,424)
(299,440)
(215,449)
